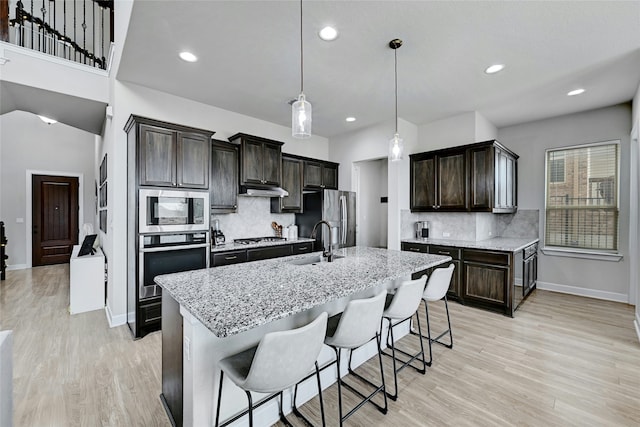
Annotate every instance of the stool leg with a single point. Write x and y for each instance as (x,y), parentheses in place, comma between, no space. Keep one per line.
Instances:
(426,313)
(384,388)
(446,305)
(320,394)
(219,399)
(250,400)
(424,362)
(394,395)
(284,419)
(339,385)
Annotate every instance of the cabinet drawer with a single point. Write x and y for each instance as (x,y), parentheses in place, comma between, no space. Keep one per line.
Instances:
(415,247)
(486,257)
(269,252)
(530,250)
(445,250)
(151,312)
(228,258)
(301,248)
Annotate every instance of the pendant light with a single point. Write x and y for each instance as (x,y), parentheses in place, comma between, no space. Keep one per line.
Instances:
(396,145)
(301,108)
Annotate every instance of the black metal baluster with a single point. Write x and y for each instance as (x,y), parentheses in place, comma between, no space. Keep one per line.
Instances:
(20,22)
(74,29)
(84,31)
(93,38)
(64,28)
(104,62)
(55,25)
(31,25)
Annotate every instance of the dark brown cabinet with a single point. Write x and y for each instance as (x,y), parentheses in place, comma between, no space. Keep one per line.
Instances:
(227,258)
(493,178)
(219,259)
(260,160)
(439,181)
(480,177)
(320,175)
(169,157)
(292,182)
(224,177)
(456,256)
(487,279)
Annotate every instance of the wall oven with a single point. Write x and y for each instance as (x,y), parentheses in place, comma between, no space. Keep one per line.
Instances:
(162,211)
(169,253)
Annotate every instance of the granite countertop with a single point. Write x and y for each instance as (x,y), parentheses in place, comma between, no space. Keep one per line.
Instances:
(232,299)
(235,246)
(505,244)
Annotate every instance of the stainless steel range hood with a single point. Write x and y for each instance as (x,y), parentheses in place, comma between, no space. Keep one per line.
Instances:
(263,191)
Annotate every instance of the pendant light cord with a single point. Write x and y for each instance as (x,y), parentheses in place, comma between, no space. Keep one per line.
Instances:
(395,53)
(301,54)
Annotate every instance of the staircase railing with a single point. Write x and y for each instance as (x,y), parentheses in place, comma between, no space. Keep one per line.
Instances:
(78,30)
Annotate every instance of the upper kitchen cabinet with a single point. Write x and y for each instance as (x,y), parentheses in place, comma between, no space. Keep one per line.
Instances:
(292,182)
(438,181)
(480,177)
(260,160)
(170,155)
(224,177)
(319,175)
(493,178)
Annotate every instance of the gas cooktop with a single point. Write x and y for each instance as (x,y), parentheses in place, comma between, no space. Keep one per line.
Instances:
(250,240)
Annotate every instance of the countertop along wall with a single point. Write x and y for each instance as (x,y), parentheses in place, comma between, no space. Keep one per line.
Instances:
(601,279)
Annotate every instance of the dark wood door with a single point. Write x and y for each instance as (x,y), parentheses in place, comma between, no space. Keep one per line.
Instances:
(224,177)
(55,218)
(271,166)
(312,175)
(422,183)
(292,182)
(193,160)
(451,177)
(481,177)
(157,159)
(330,176)
(252,161)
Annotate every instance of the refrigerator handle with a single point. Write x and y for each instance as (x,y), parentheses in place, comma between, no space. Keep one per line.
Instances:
(343,219)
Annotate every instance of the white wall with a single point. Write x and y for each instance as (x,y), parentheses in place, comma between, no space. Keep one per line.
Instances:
(371,213)
(602,279)
(372,143)
(27,143)
(635,162)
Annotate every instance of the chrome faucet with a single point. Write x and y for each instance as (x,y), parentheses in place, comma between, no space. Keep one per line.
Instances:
(325,253)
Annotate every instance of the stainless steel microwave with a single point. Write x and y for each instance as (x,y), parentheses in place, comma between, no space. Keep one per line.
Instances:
(163,211)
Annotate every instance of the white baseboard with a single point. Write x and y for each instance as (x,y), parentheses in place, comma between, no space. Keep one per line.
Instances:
(114,321)
(583,292)
(637,323)
(17,266)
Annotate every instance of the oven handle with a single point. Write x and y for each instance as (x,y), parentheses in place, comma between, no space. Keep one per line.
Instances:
(174,248)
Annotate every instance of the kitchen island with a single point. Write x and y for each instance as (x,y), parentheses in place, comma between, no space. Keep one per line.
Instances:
(213,313)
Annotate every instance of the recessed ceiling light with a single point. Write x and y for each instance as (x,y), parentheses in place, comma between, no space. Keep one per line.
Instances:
(350,119)
(575,92)
(188,56)
(494,68)
(328,34)
(47,120)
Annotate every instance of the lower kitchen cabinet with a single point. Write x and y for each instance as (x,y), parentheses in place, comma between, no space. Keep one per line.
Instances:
(301,248)
(218,259)
(268,252)
(228,258)
(487,277)
(455,291)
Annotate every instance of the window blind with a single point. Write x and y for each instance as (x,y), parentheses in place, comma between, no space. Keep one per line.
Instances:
(582,197)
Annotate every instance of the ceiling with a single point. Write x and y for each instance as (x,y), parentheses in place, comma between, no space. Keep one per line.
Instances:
(249,57)
(81,113)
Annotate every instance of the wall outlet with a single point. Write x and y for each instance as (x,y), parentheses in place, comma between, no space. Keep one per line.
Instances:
(445,234)
(20,220)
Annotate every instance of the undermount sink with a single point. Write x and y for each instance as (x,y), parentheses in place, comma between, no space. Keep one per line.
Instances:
(312,260)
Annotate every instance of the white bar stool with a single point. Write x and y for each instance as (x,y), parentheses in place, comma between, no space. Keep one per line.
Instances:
(278,362)
(351,329)
(436,290)
(400,307)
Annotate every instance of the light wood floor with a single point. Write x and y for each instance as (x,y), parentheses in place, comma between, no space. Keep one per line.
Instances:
(562,361)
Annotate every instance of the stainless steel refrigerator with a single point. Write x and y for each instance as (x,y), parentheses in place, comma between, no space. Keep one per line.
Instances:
(336,207)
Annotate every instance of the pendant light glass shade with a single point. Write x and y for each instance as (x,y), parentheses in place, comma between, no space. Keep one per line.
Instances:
(301,118)
(396,148)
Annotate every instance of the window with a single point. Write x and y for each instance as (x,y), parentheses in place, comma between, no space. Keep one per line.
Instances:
(582,197)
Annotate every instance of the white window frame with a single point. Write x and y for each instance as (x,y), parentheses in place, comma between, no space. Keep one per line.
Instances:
(575,252)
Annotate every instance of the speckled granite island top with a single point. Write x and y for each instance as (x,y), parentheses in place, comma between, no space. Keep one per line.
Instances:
(235,298)
(505,244)
(231,246)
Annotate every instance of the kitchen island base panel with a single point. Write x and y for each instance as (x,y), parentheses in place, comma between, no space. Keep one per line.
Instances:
(202,350)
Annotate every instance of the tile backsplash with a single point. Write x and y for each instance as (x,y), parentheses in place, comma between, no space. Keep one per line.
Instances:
(472,225)
(253,219)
